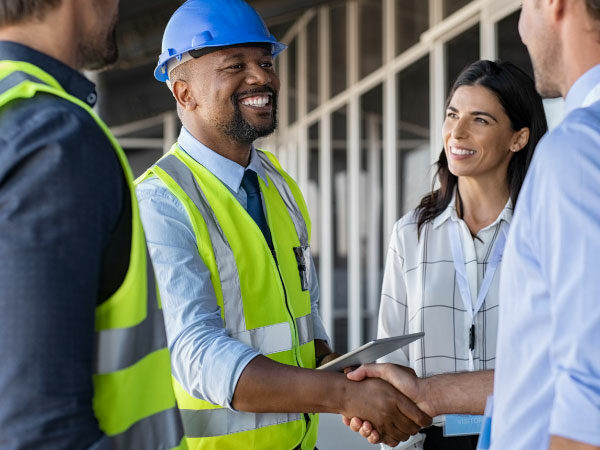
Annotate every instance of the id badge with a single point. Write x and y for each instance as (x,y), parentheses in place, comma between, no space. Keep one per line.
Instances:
(303,259)
(462,425)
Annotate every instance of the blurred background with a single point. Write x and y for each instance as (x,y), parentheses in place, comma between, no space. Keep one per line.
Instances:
(360,116)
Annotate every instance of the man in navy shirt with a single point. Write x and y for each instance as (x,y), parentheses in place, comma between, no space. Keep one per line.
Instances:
(65,225)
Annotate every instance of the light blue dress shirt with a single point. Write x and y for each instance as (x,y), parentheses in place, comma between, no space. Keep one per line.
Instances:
(547,379)
(204,358)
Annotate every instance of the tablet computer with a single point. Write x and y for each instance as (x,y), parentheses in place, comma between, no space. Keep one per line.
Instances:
(370,352)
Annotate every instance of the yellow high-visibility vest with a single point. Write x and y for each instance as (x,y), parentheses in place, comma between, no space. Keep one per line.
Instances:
(264,298)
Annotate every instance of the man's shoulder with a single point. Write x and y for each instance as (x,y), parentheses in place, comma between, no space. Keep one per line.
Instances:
(587,118)
(45,117)
(54,136)
(153,194)
(574,141)
(41,105)
(152,186)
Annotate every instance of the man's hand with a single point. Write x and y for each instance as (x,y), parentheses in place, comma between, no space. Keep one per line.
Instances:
(324,353)
(561,443)
(324,359)
(264,386)
(448,393)
(391,413)
(402,378)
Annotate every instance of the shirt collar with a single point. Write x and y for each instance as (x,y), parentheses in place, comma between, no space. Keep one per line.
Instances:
(577,95)
(229,172)
(71,80)
(450,213)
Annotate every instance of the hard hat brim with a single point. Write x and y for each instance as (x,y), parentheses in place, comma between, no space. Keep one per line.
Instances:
(161,73)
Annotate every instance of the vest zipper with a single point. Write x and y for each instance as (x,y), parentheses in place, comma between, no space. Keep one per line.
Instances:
(307,419)
(287,306)
(295,337)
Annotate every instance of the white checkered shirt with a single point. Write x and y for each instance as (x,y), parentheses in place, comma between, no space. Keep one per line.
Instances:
(420,293)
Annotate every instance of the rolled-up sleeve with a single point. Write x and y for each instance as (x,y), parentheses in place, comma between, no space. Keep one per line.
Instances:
(570,243)
(205,360)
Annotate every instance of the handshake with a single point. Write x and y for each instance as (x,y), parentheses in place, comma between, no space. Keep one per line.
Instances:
(392,406)
(396,403)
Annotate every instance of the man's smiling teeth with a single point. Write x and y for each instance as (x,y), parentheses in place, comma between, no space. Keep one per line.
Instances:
(258,101)
(461,151)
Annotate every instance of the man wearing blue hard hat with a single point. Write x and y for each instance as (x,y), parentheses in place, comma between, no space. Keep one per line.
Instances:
(229,236)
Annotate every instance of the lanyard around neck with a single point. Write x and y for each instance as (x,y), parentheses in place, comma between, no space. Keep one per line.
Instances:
(461,268)
(463,280)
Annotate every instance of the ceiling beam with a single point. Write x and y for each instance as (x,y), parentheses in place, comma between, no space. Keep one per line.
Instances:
(273,10)
(143,22)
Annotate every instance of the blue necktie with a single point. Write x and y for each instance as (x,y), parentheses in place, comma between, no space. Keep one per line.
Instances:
(254,206)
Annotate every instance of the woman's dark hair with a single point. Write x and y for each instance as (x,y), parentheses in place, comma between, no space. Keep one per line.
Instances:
(516,93)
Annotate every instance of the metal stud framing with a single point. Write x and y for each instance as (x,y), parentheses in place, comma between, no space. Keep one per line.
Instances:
(485,12)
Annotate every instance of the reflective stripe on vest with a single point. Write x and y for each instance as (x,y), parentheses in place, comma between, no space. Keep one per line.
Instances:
(232,302)
(288,198)
(133,398)
(218,422)
(119,348)
(154,432)
(277,337)
(306,329)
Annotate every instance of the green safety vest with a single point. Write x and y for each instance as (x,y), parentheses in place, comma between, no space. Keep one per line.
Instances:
(133,397)
(264,300)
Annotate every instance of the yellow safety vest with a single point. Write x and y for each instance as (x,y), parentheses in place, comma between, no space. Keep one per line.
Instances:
(133,400)
(264,299)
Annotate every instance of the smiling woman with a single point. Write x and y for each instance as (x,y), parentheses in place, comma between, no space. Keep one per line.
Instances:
(440,274)
(495,107)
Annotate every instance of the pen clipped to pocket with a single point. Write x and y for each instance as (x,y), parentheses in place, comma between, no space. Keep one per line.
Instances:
(302,254)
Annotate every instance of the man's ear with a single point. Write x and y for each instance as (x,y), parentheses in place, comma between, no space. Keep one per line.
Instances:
(183,94)
(557,9)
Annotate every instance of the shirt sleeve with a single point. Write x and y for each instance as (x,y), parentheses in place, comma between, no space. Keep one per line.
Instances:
(569,245)
(393,307)
(204,358)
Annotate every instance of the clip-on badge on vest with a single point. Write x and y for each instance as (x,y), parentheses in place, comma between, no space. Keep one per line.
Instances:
(303,259)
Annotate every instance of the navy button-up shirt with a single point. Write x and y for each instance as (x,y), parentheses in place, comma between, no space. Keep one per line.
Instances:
(65,219)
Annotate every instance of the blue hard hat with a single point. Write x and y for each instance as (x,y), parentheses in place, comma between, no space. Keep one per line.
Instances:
(209,23)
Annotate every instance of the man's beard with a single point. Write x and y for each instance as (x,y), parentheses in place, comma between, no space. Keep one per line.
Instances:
(243,132)
(546,59)
(99,51)
(545,83)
